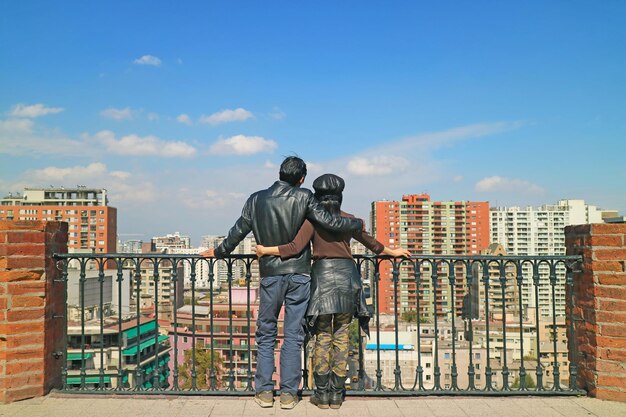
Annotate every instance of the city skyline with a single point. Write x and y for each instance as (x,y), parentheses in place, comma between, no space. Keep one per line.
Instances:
(182,113)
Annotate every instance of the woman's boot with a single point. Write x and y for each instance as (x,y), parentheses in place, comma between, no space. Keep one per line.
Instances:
(337,386)
(320,396)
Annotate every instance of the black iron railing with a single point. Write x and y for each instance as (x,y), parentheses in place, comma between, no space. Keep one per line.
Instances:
(441,325)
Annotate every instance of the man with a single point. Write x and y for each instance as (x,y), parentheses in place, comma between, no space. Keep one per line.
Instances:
(274,216)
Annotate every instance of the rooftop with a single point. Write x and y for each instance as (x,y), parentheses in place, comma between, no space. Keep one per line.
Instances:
(63,405)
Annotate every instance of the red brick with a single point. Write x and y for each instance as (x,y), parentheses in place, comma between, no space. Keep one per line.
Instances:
(11,276)
(16,262)
(580,229)
(611,317)
(3,303)
(610,366)
(25,380)
(612,279)
(28,341)
(616,330)
(608,228)
(614,292)
(25,250)
(610,254)
(32,288)
(23,367)
(26,237)
(613,381)
(610,394)
(22,225)
(20,328)
(14,316)
(27,301)
(607,266)
(606,240)
(611,305)
(23,393)
(611,342)
(31,353)
(614,354)
(587,348)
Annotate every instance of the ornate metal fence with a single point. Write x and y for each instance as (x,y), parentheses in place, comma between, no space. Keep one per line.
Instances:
(441,325)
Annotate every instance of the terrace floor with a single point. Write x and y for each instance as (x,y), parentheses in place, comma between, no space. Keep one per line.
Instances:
(64,405)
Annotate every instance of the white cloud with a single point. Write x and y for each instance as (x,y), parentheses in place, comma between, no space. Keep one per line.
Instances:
(278,114)
(152,117)
(242,145)
(227,116)
(499,184)
(56,174)
(121,189)
(34,110)
(118,114)
(377,165)
(143,192)
(148,60)
(314,168)
(457,178)
(210,198)
(24,137)
(16,126)
(121,175)
(144,146)
(185,119)
(270,165)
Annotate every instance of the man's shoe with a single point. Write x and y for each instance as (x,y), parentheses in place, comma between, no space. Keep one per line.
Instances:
(265,399)
(288,400)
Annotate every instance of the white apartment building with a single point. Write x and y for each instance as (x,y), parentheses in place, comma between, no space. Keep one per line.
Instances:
(540,231)
(201,268)
(246,247)
(171,241)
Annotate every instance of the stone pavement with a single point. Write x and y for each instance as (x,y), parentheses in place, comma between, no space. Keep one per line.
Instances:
(62,405)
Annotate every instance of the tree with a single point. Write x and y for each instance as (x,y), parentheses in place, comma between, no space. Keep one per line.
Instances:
(530,383)
(203,368)
(411,316)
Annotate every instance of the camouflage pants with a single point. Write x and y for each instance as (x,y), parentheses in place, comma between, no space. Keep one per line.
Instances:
(331,343)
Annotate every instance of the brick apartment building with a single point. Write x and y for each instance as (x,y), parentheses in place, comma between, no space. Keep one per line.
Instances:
(92,222)
(427,227)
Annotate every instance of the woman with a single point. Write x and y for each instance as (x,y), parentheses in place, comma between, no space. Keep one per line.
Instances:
(336,290)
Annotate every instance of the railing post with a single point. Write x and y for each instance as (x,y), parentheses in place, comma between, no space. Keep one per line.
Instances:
(596,316)
(32,313)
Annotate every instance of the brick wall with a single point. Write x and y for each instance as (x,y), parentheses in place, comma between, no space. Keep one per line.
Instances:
(600,308)
(29,300)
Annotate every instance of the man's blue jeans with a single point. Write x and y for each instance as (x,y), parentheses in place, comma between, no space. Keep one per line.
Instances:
(293,290)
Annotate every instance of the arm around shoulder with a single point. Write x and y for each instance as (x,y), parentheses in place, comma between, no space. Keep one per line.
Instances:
(335,223)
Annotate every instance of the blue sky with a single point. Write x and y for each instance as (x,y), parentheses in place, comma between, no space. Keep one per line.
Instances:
(182,109)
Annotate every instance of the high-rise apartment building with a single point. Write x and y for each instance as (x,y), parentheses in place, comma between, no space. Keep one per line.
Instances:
(171,241)
(239,268)
(433,228)
(92,222)
(540,231)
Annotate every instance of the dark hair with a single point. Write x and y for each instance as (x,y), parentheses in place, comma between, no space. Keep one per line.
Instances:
(329,192)
(292,170)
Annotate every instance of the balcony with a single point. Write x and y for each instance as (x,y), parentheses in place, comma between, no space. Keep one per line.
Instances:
(470,334)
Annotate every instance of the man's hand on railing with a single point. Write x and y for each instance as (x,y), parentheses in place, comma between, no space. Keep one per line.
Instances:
(209,253)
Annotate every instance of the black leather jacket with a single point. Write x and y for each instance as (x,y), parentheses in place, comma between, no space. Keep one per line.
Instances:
(274,216)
